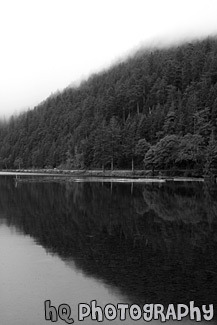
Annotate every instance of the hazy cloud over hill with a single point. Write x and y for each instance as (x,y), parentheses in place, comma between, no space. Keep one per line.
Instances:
(47,45)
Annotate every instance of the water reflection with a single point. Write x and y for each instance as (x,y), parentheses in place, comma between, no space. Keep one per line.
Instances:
(156,243)
(29,276)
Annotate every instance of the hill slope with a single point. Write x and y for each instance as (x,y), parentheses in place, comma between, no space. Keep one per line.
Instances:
(160,105)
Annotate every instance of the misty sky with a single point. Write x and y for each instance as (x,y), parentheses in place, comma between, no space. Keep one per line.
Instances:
(48,44)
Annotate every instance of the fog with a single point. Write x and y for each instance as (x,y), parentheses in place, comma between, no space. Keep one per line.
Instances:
(48,45)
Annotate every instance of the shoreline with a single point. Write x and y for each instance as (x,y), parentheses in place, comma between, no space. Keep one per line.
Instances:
(100,175)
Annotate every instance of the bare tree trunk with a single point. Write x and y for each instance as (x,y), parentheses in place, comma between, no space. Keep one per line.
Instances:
(112,163)
(137,108)
(123,115)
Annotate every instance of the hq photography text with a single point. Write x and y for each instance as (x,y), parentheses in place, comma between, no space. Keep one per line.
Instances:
(122,311)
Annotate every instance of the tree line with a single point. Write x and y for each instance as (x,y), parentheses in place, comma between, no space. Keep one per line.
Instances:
(157,110)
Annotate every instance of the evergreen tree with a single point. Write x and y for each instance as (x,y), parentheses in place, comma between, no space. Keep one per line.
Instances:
(162,96)
(211,156)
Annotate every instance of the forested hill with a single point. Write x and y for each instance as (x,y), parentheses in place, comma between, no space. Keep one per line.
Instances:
(157,110)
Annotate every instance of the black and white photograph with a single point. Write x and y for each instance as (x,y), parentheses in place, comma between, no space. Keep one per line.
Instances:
(108,162)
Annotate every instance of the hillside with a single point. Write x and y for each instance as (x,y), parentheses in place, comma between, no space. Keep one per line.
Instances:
(157,110)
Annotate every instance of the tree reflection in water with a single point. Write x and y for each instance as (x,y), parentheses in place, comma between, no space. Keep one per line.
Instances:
(156,243)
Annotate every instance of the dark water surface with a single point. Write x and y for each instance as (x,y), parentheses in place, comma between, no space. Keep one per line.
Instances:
(110,242)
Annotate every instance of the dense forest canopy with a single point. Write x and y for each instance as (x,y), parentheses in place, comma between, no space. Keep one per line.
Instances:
(157,110)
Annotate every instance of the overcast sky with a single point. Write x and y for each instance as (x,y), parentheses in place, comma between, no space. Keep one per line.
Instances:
(48,44)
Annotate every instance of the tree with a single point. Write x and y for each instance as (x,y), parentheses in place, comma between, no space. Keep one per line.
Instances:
(169,123)
(130,139)
(202,123)
(163,155)
(142,147)
(190,152)
(101,147)
(152,95)
(149,160)
(114,137)
(211,156)
(166,152)
(18,162)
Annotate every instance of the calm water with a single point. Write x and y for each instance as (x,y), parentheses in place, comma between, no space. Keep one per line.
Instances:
(109,242)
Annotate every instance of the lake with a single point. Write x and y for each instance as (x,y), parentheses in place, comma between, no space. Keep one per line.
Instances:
(74,243)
